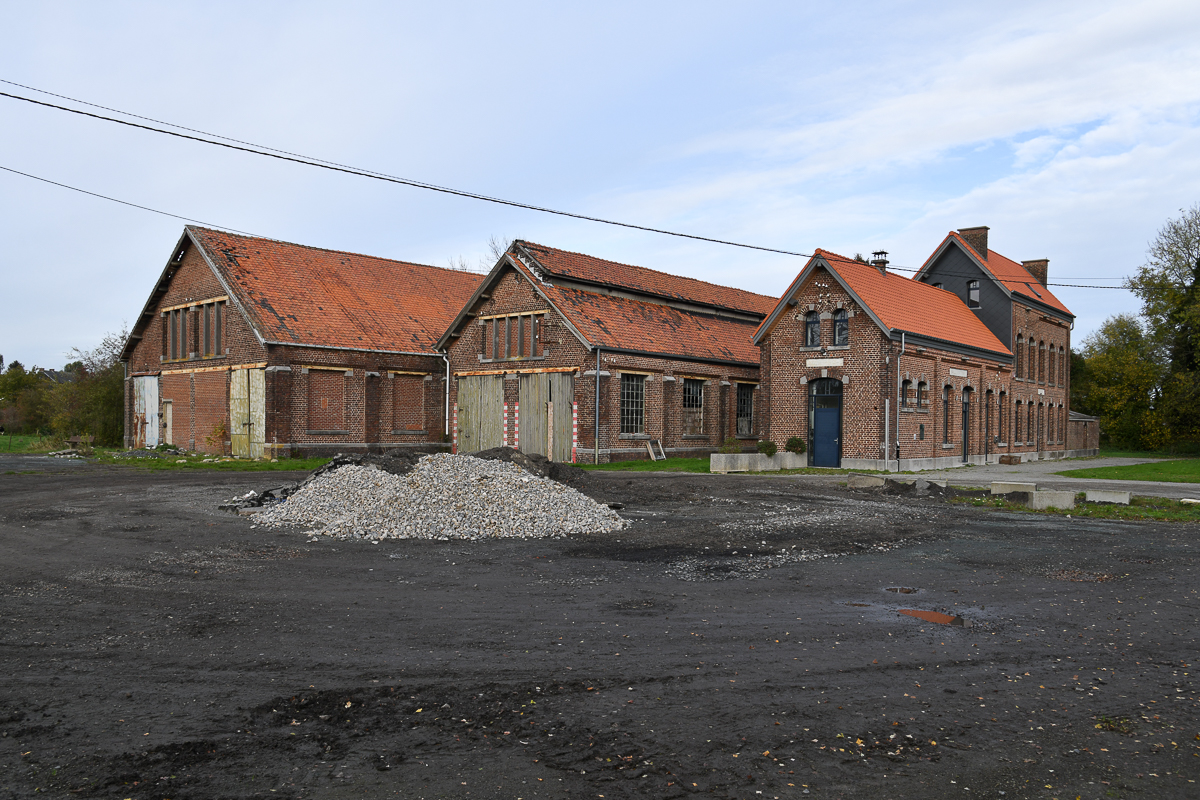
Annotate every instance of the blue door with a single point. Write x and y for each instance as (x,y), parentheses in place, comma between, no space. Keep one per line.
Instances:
(825,402)
(825,437)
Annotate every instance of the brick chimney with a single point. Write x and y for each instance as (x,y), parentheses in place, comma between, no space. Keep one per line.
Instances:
(1039,268)
(879,261)
(977,238)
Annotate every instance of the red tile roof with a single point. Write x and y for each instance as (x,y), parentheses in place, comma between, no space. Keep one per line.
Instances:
(580,267)
(306,295)
(617,322)
(1012,275)
(903,304)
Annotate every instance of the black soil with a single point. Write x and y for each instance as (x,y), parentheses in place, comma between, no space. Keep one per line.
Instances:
(738,641)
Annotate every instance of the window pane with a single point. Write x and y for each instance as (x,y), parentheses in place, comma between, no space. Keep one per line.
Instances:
(633,403)
(812,330)
(841,328)
(973,294)
(745,409)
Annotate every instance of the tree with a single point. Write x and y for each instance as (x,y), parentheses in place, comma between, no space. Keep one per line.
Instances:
(23,397)
(93,403)
(1162,282)
(1125,370)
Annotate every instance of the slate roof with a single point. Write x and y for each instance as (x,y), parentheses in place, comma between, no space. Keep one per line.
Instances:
(589,269)
(903,304)
(300,295)
(1012,275)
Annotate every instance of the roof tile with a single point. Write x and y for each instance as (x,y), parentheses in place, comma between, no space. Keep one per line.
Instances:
(1014,276)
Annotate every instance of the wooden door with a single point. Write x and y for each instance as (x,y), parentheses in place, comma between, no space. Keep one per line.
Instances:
(480,412)
(146,431)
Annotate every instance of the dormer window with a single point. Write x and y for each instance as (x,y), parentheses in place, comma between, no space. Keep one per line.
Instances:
(972,294)
(937,285)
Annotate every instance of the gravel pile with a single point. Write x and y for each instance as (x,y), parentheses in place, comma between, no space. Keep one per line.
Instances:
(445,497)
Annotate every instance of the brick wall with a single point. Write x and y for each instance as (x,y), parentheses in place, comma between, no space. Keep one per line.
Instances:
(513,294)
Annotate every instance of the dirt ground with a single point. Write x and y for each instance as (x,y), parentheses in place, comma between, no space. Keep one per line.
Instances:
(740,640)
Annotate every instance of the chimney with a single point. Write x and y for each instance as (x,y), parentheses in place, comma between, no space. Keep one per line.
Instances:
(1039,268)
(879,261)
(977,238)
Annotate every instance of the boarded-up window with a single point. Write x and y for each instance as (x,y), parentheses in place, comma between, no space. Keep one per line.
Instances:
(408,403)
(326,400)
(535,335)
(693,407)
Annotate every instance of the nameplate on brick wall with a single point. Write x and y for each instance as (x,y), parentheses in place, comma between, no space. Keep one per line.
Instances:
(824,362)
(1041,391)
(958,373)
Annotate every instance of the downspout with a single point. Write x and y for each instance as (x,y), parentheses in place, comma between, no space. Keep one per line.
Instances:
(898,404)
(596,440)
(446,358)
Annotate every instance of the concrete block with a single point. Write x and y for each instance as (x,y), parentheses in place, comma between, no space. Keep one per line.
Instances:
(786,460)
(867,481)
(1004,487)
(740,462)
(1040,501)
(1187,501)
(1102,496)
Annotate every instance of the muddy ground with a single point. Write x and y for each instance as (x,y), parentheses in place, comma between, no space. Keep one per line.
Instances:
(739,640)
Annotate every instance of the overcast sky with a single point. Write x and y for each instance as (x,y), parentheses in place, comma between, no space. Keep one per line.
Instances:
(1072,130)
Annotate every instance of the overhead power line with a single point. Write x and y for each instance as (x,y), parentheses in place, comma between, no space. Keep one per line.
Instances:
(285,155)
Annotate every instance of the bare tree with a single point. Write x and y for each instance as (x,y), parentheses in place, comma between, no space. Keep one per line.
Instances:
(497,246)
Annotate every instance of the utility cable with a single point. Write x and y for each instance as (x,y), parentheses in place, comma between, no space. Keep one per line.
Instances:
(284,155)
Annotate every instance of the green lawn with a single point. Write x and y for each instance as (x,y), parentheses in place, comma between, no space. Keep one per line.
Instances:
(1140,508)
(1179,471)
(28,443)
(669,465)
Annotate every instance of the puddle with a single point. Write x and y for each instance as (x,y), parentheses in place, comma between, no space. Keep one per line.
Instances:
(934,616)
(902,590)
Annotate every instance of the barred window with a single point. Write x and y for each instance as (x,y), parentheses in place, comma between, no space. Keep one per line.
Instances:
(693,407)
(745,409)
(812,329)
(633,403)
(841,327)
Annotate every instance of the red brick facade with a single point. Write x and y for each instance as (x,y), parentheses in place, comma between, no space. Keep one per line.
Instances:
(513,293)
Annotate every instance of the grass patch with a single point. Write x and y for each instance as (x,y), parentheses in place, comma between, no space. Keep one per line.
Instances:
(669,465)
(28,443)
(1114,724)
(1185,470)
(1140,509)
(198,462)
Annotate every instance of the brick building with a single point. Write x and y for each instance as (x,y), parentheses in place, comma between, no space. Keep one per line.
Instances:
(549,332)
(254,347)
(966,362)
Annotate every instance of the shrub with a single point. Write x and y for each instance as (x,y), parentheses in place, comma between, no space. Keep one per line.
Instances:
(767,447)
(730,445)
(795,445)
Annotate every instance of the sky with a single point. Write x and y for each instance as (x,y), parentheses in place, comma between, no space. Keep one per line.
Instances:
(1072,130)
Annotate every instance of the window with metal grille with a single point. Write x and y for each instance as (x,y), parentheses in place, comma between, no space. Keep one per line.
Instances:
(633,403)
(841,327)
(812,329)
(972,294)
(1002,412)
(745,409)
(693,407)
(945,415)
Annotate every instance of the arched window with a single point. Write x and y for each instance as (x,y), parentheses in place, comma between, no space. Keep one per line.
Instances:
(1017,358)
(1002,412)
(946,415)
(1062,366)
(1041,363)
(841,328)
(905,389)
(1017,422)
(922,394)
(1029,429)
(812,329)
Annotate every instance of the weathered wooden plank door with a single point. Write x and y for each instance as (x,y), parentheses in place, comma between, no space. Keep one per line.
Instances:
(247,412)
(541,432)
(145,411)
(239,413)
(168,425)
(480,412)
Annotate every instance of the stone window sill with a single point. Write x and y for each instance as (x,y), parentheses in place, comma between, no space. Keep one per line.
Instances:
(328,433)
(695,436)
(642,436)
(838,347)
(950,445)
(1001,444)
(511,359)
(406,433)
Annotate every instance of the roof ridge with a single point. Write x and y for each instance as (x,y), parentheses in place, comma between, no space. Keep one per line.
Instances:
(647,269)
(329,250)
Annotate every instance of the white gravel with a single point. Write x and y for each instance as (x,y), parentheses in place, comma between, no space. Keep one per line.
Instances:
(445,497)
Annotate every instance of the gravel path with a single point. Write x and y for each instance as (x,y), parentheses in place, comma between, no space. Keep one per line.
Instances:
(445,497)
